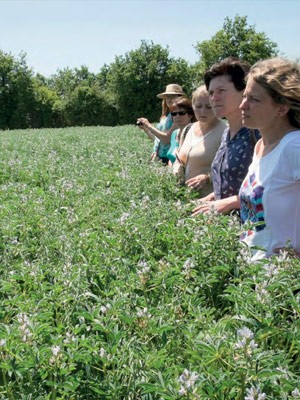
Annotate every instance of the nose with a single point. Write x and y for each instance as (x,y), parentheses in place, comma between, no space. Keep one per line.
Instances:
(244,104)
(213,96)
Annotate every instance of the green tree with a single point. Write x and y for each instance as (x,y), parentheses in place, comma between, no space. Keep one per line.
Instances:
(134,79)
(16,92)
(82,98)
(47,111)
(236,39)
(88,105)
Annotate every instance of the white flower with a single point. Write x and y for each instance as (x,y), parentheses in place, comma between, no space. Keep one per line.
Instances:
(188,264)
(24,327)
(70,338)
(143,313)
(124,217)
(55,351)
(188,379)
(56,354)
(105,308)
(145,269)
(253,345)
(271,270)
(245,333)
(241,344)
(255,394)
(261,292)
(2,342)
(246,343)
(102,353)
(296,393)
(182,391)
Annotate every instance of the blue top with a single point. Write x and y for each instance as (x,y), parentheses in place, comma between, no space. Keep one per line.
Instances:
(231,162)
(160,147)
(173,146)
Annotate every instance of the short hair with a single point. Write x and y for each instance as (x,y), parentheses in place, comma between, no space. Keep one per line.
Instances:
(281,79)
(233,67)
(185,103)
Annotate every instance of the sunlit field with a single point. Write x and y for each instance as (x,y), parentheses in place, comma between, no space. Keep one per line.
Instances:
(111,290)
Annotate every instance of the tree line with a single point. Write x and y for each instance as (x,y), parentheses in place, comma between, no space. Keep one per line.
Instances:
(121,91)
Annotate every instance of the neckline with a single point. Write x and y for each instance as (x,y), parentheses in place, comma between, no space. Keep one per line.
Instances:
(277,143)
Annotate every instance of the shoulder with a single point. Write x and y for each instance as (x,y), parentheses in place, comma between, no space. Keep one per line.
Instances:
(290,145)
(187,131)
(222,123)
(221,127)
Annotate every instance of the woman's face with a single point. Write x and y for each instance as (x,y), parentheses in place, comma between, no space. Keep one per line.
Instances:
(170,98)
(223,96)
(180,117)
(202,109)
(258,108)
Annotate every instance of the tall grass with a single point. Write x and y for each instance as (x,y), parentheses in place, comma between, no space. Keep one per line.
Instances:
(110,290)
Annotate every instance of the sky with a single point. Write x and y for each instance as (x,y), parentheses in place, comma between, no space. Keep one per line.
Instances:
(56,34)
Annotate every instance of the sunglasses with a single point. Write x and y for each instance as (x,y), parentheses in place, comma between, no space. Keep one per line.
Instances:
(178,113)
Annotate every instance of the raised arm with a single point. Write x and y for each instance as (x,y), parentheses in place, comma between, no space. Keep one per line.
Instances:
(153,132)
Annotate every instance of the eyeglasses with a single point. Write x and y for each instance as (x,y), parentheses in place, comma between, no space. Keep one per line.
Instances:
(178,113)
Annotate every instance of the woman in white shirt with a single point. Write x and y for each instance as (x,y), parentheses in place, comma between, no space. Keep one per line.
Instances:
(270,193)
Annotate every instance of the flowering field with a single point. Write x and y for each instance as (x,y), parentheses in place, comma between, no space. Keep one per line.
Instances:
(110,290)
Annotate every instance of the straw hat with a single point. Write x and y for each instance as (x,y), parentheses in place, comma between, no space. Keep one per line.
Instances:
(173,88)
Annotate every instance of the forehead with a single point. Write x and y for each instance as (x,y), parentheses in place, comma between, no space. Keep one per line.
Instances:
(252,85)
(201,97)
(171,96)
(221,80)
(178,108)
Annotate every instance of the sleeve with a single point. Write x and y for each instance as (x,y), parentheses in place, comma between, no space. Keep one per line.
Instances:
(291,155)
(155,145)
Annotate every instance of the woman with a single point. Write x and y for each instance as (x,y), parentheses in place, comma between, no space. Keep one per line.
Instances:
(183,115)
(162,133)
(270,193)
(200,145)
(225,82)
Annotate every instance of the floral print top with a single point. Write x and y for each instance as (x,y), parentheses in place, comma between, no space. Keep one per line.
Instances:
(231,162)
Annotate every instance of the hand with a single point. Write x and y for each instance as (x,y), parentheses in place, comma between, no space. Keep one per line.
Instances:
(144,124)
(198,182)
(153,156)
(221,206)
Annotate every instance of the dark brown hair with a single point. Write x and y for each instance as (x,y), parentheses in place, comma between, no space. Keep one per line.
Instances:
(185,103)
(232,67)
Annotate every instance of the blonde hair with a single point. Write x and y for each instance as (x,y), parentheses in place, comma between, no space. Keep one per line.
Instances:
(281,79)
(164,109)
(201,90)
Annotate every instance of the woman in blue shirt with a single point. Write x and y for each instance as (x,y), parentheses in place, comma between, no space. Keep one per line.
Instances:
(225,83)
(161,134)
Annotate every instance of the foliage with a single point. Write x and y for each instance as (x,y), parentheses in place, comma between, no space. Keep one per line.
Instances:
(235,39)
(87,105)
(110,290)
(135,78)
(16,92)
(45,111)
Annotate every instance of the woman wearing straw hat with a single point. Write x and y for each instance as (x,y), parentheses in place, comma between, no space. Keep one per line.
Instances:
(161,134)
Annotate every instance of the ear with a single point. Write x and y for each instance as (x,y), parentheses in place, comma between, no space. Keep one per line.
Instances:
(283,109)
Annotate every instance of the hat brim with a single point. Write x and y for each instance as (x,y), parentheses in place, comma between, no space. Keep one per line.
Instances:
(162,95)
